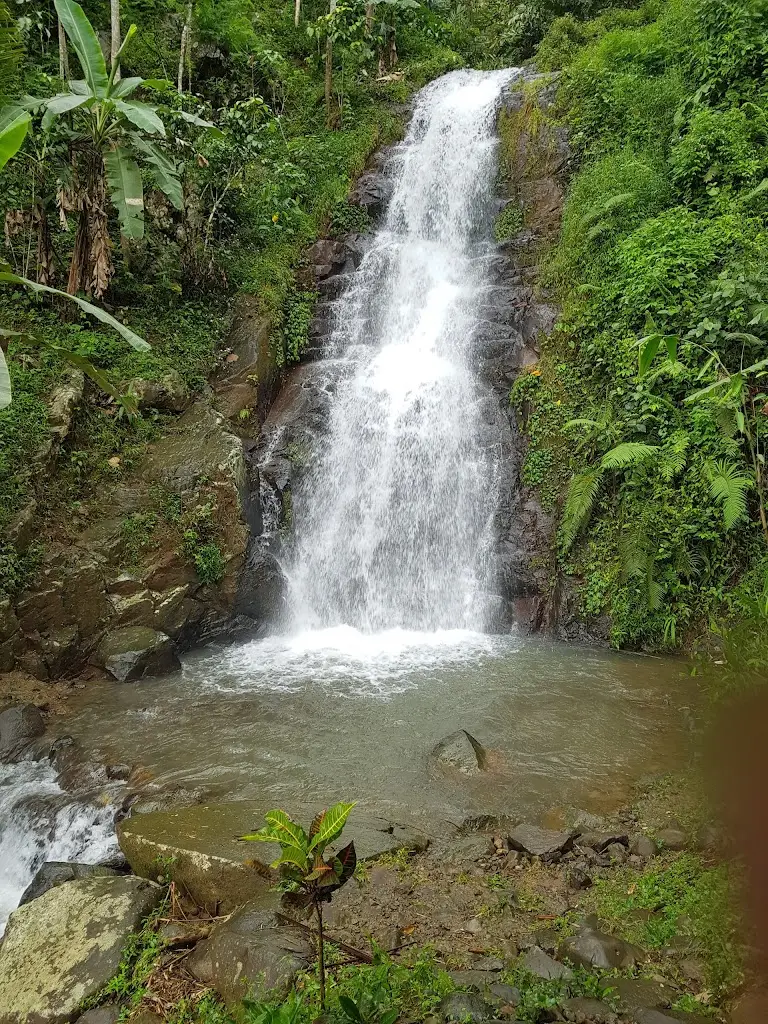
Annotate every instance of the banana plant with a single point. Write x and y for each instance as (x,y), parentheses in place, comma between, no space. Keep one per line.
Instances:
(112,135)
(308,877)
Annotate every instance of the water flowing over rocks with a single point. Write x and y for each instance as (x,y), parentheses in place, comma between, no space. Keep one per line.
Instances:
(64,947)
(460,752)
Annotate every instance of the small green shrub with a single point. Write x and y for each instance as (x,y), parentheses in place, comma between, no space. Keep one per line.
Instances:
(509,222)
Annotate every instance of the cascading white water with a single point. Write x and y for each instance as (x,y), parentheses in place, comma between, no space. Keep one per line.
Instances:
(393,524)
(40,822)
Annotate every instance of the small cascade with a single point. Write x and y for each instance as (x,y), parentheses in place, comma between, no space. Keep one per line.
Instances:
(40,822)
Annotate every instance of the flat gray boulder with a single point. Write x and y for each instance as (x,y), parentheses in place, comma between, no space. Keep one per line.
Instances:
(218,872)
(65,946)
(250,954)
(134,652)
(540,842)
(460,752)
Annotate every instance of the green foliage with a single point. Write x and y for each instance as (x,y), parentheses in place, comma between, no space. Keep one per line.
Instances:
(198,528)
(683,894)
(508,223)
(660,350)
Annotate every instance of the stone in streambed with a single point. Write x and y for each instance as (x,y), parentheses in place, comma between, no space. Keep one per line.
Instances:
(591,948)
(54,873)
(464,1006)
(19,726)
(540,842)
(218,872)
(590,1011)
(643,847)
(537,962)
(635,994)
(65,946)
(134,652)
(460,752)
(672,839)
(250,954)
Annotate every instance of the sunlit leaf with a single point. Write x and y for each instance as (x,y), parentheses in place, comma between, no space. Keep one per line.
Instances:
(85,44)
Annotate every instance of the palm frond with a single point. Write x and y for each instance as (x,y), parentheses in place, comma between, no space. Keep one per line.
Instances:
(579,503)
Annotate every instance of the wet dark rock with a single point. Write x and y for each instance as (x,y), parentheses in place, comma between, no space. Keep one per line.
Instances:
(372,193)
(326,257)
(460,752)
(578,877)
(502,995)
(543,966)
(250,954)
(19,727)
(600,841)
(464,1006)
(672,839)
(540,842)
(642,846)
(592,948)
(634,994)
(134,652)
(588,1011)
(54,873)
(101,1015)
(616,853)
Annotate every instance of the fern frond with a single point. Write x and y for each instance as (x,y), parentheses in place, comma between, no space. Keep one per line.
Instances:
(729,484)
(614,203)
(675,455)
(579,503)
(627,454)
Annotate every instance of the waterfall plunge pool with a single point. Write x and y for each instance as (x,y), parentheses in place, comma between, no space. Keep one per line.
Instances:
(337,713)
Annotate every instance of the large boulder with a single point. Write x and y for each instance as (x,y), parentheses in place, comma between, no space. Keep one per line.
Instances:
(537,962)
(19,726)
(249,954)
(65,946)
(169,393)
(54,873)
(460,752)
(206,860)
(134,652)
(540,842)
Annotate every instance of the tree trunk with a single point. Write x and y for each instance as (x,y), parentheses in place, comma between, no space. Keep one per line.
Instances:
(114,12)
(369,12)
(329,72)
(186,32)
(296,12)
(63,55)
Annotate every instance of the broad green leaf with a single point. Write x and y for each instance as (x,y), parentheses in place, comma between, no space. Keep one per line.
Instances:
(125,87)
(264,835)
(350,1010)
(288,831)
(164,170)
(61,104)
(12,137)
(5,382)
(331,826)
(100,379)
(648,353)
(81,87)
(126,191)
(116,59)
(85,44)
(292,855)
(130,336)
(160,84)
(142,115)
(201,123)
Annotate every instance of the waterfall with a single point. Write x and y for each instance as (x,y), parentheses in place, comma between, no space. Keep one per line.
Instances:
(394,521)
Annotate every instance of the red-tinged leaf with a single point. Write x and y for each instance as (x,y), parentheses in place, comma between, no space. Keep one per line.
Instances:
(348,860)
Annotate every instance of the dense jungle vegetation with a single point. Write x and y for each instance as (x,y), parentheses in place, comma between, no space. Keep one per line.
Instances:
(649,407)
(240,126)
